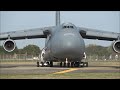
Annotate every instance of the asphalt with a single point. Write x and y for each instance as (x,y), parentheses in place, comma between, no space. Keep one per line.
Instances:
(32,69)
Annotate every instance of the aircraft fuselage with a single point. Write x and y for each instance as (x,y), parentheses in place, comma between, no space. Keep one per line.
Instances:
(64,42)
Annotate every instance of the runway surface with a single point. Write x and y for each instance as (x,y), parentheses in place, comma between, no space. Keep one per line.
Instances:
(32,69)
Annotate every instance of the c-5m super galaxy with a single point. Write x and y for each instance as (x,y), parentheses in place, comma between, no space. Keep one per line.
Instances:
(64,42)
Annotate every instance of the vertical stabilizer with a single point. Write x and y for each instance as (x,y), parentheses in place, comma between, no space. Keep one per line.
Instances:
(57,18)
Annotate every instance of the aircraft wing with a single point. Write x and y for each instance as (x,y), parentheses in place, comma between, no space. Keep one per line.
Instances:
(98,34)
(23,34)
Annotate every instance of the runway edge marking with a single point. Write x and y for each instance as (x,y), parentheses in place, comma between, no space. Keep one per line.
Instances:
(65,71)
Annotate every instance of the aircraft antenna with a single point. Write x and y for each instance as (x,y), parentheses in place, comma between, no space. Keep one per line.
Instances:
(57,18)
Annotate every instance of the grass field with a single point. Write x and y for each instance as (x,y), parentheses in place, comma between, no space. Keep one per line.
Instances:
(65,75)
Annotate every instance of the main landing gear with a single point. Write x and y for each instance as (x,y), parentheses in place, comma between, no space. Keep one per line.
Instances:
(63,64)
(74,64)
(44,64)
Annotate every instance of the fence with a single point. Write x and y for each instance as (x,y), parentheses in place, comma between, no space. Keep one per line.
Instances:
(103,58)
(31,57)
(16,57)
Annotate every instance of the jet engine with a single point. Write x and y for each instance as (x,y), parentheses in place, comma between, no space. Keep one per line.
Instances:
(9,45)
(116,46)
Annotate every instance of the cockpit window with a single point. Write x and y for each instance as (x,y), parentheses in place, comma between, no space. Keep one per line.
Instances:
(68,27)
(71,26)
(64,26)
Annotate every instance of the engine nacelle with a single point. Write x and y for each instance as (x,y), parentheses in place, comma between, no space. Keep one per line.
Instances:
(9,45)
(116,46)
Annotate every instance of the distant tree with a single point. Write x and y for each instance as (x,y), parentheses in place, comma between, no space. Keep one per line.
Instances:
(20,51)
(31,50)
(97,50)
(1,50)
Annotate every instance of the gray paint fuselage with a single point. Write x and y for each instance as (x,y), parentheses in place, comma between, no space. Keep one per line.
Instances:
(64,43)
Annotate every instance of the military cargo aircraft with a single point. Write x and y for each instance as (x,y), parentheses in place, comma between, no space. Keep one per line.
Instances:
(64,42)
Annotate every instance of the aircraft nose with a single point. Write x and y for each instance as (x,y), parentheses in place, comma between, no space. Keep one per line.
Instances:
(68,47)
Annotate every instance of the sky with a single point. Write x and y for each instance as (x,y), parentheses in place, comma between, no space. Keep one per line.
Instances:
(22,20)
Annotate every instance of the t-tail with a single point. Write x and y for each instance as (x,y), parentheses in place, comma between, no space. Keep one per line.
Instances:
(57,18)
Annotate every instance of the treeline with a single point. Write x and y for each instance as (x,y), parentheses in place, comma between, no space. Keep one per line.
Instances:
(35,50)
(99,50)
(29,50)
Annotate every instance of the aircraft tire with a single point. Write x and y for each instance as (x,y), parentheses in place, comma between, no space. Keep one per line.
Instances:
(60,64)
(77,64)
(51,64)
(64,64)
(81,64)
(72,64)
(38,64)
(68,64)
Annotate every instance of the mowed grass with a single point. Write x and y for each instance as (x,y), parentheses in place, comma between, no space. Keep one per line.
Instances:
(64,76)
(18,62)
